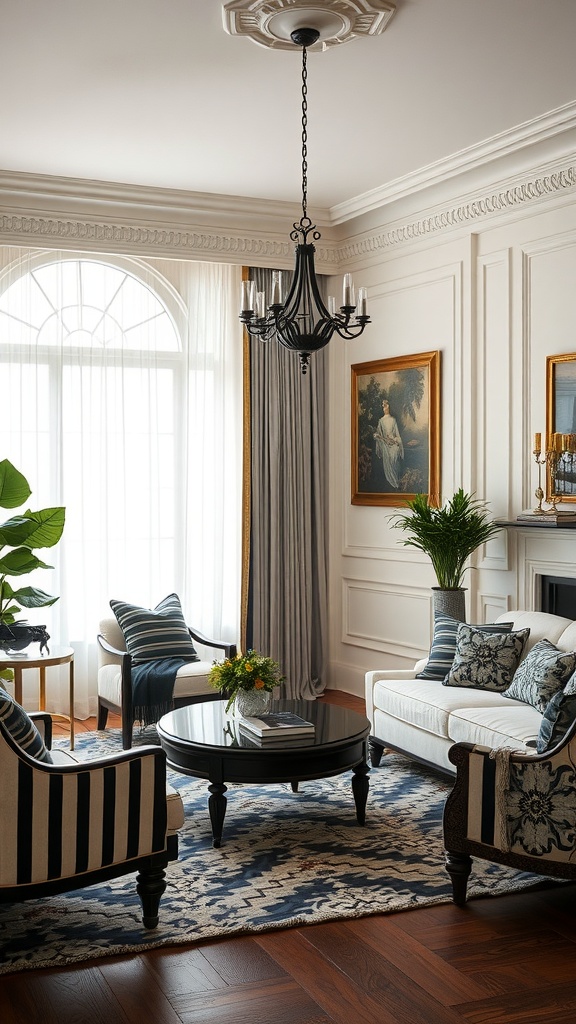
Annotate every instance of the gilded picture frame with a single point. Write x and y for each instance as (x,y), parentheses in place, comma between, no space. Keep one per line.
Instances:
(561,419)
(395,450)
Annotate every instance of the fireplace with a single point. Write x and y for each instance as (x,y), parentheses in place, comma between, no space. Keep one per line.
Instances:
(558,595)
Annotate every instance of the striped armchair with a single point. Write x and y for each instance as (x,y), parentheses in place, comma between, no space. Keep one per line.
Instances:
(512,808)
(69,824)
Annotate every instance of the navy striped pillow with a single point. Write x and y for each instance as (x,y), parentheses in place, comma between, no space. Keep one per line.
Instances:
(155,633)
(443,646)
(22,728)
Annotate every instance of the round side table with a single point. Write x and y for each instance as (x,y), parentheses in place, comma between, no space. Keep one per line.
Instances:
(33,659)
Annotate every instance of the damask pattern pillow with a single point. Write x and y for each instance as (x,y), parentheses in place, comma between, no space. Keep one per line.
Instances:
(22,728)
(486,661)
(557,719)
(544,671)
(160,632)
(443,647)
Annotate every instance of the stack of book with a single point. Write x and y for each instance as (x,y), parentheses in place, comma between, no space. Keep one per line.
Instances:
(279,725)
(552,518)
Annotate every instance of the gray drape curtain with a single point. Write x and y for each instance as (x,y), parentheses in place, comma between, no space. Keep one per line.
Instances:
(287,609)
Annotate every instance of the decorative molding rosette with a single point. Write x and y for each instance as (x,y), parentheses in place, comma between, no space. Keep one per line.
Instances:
(270,22)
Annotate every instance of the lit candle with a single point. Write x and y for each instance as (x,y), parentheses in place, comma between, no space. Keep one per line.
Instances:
(247,296)
(565,442)
(362,300)
(348,291)
(538,443)
(276,288)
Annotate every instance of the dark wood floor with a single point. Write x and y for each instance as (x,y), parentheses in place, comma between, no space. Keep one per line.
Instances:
(508,960)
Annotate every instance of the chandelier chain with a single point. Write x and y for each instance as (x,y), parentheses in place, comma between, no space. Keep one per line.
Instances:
(304,132)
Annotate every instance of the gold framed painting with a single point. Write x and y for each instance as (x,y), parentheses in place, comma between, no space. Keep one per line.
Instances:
(561,426)
(396,429)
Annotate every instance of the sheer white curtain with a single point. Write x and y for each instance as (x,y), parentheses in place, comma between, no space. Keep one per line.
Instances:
(121,385)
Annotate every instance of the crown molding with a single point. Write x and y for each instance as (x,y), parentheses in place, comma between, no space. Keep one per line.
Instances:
(59,217)
(504,200)
(550,126)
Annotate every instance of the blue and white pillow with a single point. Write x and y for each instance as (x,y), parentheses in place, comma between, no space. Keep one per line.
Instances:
(558,717)
(22,728)
(443,646)
(486,661)
(545,670)
(160,632)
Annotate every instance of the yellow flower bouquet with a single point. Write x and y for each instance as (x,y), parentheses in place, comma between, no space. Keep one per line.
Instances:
(243,673)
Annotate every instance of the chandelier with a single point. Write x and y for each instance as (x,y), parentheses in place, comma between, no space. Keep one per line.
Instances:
(302,322)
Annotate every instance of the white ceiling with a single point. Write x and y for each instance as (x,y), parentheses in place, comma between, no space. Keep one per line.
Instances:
(154,93)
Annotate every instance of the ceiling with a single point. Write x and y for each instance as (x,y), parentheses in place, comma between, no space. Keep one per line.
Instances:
(153,93)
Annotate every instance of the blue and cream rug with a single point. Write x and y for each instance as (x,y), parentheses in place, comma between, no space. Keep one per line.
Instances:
(286,859)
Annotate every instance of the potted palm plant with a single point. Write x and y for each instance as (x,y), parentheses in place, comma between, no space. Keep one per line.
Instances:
(448,535)
(19,537)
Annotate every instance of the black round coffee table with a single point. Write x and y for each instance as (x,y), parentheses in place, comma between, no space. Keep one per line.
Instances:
(201,740)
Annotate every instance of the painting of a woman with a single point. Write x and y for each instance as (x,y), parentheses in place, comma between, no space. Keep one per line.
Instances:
(396,429)
(389,445)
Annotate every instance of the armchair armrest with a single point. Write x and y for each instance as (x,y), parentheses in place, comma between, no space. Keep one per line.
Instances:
(108,647)
(223,645)
(43,722)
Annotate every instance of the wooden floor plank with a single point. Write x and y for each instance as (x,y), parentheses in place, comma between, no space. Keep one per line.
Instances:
(440,979)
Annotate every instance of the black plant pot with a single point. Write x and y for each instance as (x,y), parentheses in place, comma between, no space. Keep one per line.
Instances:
(19,635)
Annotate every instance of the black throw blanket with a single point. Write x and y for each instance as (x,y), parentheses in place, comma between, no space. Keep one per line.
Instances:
(153,687)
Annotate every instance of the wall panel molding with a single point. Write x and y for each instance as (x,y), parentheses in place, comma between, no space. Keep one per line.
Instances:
(385,618)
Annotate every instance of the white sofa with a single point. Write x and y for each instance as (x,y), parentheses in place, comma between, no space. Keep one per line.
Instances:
(423,718)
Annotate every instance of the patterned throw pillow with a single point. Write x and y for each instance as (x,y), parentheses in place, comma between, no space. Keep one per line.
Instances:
(544,671)
(443,646)
(486,661)
(155,633)
(557,718)
(22,729)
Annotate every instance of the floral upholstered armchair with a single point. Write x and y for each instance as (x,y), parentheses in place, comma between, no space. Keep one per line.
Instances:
(512,808)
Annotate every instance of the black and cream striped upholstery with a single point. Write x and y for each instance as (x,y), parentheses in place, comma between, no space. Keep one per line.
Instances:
(65,826)
(512,808)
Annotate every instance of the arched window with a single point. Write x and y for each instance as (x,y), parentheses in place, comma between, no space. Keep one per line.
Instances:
(119,390)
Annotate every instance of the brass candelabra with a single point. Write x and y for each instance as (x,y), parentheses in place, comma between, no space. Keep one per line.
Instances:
(559,457)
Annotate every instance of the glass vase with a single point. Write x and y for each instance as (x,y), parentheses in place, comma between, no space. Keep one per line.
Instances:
(251,703)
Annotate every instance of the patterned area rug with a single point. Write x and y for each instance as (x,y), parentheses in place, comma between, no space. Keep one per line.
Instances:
(286,859)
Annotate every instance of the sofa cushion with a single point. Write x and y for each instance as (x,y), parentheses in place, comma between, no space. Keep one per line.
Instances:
(22,728)
(558,717)
(542,626)
(443,647)
(427,704)
(486,661)
(515,725)
(160,632)
(543,672)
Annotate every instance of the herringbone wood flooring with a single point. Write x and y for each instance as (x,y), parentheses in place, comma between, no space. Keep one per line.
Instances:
(510,960)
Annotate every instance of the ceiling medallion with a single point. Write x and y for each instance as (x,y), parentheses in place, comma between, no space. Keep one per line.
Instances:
(271,22)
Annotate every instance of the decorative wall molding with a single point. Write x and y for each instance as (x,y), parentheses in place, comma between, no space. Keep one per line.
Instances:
(38,215)
(508,199)
(154,241)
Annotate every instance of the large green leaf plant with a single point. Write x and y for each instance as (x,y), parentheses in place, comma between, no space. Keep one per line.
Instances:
(448,535)
(19,537)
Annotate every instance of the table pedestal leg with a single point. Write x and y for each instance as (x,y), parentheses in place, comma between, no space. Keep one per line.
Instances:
(360,787)
(217,809)
(18,684)
(71,682)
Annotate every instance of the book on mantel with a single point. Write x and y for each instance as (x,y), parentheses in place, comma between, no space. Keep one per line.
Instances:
(282,724)
(553,518)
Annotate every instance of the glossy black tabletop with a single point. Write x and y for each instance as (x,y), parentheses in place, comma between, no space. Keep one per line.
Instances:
(207,725)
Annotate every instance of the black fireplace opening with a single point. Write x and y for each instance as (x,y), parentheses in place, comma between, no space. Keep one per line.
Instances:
(558,596)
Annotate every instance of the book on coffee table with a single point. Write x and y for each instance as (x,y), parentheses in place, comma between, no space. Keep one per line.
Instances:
(278,724)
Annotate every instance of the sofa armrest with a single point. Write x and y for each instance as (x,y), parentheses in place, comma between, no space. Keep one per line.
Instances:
(222,645)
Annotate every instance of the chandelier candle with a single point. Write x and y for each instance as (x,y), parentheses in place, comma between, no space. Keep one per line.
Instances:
(303,323)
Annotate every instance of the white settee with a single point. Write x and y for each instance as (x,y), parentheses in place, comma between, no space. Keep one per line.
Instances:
(424,719)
